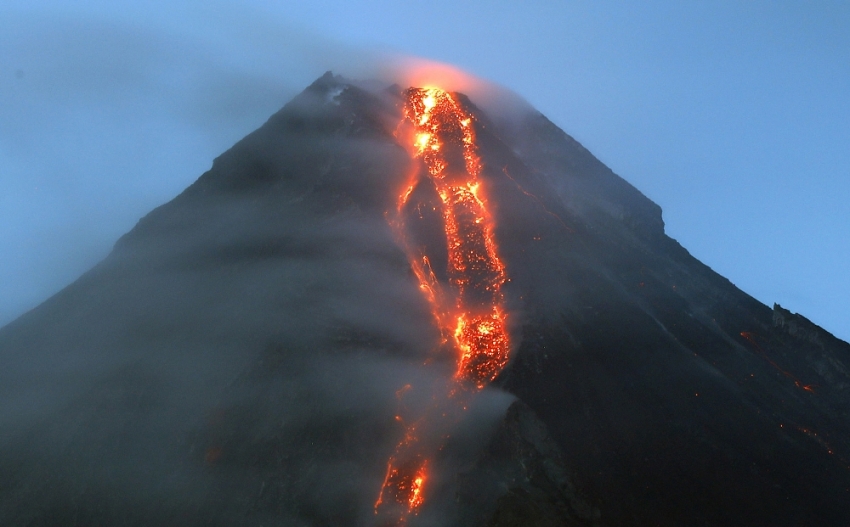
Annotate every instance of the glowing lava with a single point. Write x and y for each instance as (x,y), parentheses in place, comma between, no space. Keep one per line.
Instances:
(474,313)
(401,494)
(470,309)
(751,338)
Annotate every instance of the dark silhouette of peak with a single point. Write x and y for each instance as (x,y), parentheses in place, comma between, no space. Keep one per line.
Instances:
(252,352)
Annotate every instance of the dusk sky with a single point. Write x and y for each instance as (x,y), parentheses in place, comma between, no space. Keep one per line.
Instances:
(733,116)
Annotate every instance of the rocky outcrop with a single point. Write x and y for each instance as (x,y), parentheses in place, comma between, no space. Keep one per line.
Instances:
(798,326)
(524,459)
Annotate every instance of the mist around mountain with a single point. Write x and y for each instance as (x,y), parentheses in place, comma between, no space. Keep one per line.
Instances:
(241,356)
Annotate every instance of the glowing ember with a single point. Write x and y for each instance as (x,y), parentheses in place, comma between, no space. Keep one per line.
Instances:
(471,311)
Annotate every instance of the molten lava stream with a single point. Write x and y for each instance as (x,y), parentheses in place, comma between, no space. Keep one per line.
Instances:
(401,494)
(471,313)
(445,141)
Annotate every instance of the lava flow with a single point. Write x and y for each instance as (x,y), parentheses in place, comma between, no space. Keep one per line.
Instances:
(470,311)
(474,314)
(750,337)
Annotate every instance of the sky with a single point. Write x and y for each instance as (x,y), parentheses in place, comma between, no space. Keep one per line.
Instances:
(732,116)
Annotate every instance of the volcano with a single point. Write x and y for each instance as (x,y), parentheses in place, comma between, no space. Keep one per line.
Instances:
(388,306)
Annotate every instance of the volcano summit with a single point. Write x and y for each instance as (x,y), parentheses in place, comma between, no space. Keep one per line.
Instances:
(387,306)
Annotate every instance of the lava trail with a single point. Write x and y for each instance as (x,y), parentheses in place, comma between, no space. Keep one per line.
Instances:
(469,309)
(473,314)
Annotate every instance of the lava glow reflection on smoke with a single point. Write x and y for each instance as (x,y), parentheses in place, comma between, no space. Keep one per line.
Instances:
(469,309)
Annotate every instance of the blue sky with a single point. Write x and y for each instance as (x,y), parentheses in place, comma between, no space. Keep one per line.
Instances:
(733,116)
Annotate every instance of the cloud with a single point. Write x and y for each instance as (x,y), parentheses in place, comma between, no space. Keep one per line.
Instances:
(106,116)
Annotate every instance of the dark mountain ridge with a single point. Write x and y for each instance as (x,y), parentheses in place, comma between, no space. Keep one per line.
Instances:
(236,359)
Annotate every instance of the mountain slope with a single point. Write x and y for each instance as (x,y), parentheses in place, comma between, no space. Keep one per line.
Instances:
(242,356)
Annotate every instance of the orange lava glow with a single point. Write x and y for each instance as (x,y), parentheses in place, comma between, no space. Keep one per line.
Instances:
(415,499)
(751,338)
(469,310)
(401,493)
(445,142)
